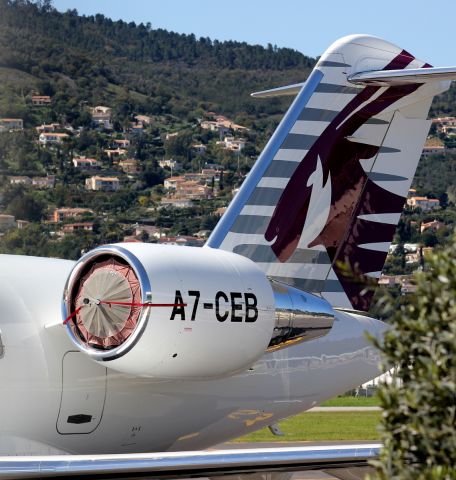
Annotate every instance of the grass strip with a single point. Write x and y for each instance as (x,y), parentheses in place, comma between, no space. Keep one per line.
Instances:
(316,426)
(345,401)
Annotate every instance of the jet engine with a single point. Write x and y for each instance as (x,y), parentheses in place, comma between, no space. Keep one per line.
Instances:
(169,312)
(183,313)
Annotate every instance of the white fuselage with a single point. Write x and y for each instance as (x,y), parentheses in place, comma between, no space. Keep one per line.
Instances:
(45,381)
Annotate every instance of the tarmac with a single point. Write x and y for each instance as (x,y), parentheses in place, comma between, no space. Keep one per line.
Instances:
(344,474)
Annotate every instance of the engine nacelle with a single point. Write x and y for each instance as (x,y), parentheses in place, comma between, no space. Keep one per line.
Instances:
(214,310)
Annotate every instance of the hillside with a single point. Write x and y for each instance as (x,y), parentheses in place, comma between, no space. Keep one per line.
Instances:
(145,134)
(173,80)
(95,60)
(164,72)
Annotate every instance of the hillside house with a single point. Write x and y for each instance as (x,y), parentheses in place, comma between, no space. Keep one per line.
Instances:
(151,230)
(203,178)
(444,122)
(78,227)
(220,211)
(130,165)
(64,213)
(44,182)
(20,224)
(52,138)
(131,239)
(20,180)
(169,136)
(11,124)
(106,184)
(433,150)
(115,153)
(101,117)
(7,221)
(176,202)
(48,128)
(208,173)
(222,125)
(172,164)
(215,127)
(411,247)
(387,280)
(433,226)
(433,146)
(411,258)
(182,240)
(202,234)
(191,176)
(136,128)
(122,143)
(193,190)
(41,100)
(222,120)
(213,166)
(84,163)
(172,182)
(449,130)
(233,144)
(424,203)
(199,148)
(37,182)
(144,119)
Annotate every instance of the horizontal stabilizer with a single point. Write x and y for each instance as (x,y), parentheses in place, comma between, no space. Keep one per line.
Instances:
(279,92)
(380,78)
(401,77)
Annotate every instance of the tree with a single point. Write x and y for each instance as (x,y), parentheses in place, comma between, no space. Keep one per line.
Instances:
(418,422)
(221,185)
(152,174)
(178,145)
(24,205)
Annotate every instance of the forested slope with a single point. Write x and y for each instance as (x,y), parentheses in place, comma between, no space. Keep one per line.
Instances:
(95,59)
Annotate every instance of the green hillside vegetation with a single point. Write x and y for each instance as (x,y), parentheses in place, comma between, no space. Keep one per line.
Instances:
(82,62)
(96,60)
(177,81)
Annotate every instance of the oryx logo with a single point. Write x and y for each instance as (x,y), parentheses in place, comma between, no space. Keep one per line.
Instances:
(333,165)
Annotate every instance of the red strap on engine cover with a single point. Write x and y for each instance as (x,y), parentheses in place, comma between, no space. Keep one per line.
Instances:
(126,304)
(71,315)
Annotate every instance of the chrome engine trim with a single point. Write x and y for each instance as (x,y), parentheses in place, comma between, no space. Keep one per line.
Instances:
(300,316)
(146,295)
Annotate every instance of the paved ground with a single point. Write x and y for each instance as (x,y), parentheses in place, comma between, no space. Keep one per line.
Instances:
(345,474)
(312,475)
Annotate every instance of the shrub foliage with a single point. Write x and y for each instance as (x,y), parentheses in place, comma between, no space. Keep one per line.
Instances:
(419,418)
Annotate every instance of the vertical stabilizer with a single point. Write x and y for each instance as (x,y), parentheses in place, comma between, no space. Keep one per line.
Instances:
(331,183)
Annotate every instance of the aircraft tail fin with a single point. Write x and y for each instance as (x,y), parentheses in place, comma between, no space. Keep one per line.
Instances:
(330,185)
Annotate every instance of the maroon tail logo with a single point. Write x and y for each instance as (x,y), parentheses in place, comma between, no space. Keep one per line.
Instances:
(352,192)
